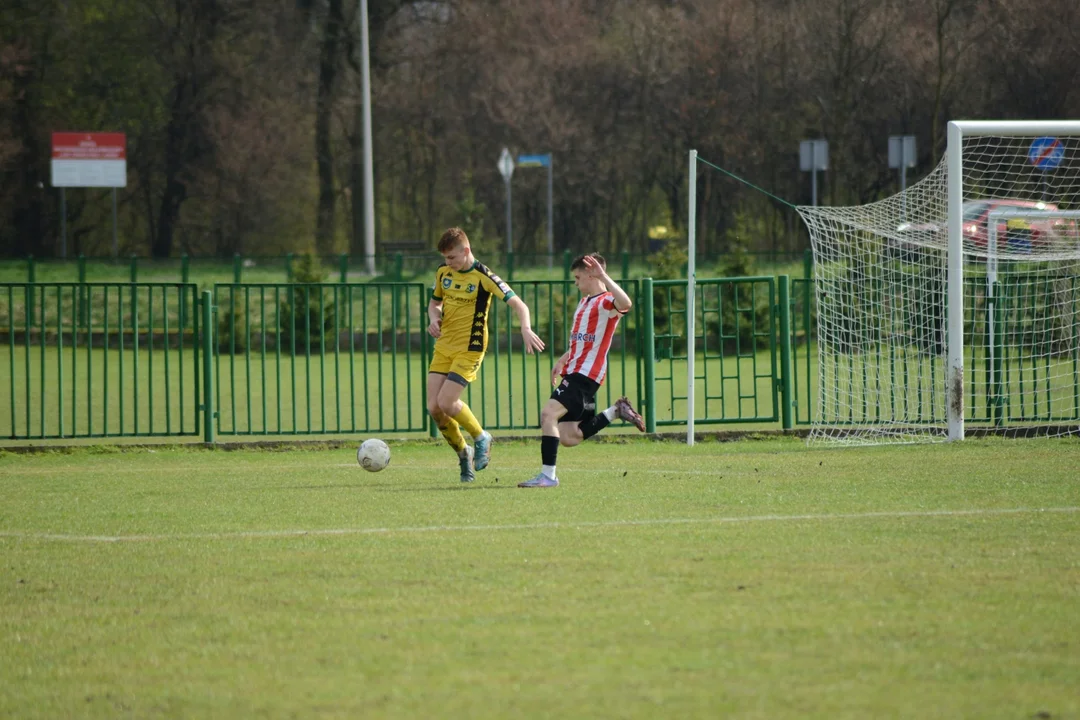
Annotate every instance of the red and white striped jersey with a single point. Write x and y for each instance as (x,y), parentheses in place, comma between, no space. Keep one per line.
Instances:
(590,336)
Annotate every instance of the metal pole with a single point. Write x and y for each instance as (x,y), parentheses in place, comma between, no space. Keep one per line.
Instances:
(509,225)
(369,173)
(903,176)
(691,229)
(992,300)
(550,222)
(813,183)
(787,394)
(954,395)
(63,224)
(115,246)
(208,366)
(648,332)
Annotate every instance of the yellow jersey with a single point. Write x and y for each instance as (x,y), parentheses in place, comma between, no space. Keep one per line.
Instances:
(466,302)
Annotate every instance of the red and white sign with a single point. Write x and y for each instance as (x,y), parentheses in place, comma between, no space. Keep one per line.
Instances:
(89,159)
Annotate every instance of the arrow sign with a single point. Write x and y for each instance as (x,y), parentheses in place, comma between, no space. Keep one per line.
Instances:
(1046,153)
(506,165)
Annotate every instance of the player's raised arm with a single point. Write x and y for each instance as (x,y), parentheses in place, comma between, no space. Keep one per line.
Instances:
(622,301)
(532,340)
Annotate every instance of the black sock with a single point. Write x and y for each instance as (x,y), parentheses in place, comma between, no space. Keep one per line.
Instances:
(593,425)
(549,449)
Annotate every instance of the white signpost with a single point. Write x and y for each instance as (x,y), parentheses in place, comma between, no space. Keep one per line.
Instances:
(902,156)
(88,160)
(813,156)
(506,167)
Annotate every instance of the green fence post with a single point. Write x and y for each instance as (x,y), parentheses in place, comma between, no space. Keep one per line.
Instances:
(133,272)
(566,260)
(343,267)
(237,269)
(426,350)
(31,274)
(208,366)
(649,349)
(998,320)
(786,385)
(399,268)
(288,267)
(625,264)
(82,309)
(808,263)
(185,277)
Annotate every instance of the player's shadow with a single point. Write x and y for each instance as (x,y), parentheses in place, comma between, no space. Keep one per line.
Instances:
(394,487)
(340,486)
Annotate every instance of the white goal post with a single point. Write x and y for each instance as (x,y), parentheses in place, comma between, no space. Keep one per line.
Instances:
(914,341)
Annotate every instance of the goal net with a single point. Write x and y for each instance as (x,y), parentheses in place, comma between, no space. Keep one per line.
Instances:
(954,306)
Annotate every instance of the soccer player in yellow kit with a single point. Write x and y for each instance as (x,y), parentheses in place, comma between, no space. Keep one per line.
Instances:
(458,313)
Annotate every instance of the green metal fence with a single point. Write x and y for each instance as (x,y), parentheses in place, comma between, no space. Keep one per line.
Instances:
(736,337)
(1025,350)
(104,360)
(309,359)
(99,360)
(1021,351)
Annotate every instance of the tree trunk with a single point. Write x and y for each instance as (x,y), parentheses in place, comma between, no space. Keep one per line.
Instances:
(356,183)
(29,214)
(176,153)
(324,105)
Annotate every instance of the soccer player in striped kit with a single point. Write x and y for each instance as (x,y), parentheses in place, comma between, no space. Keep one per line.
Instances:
(570,414)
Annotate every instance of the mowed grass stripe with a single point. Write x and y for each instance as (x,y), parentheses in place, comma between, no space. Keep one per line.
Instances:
(277,534)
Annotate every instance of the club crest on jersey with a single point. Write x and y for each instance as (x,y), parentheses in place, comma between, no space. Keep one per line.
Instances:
(446,282)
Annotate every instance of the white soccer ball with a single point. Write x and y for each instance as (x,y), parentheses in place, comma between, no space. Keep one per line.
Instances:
(373,455)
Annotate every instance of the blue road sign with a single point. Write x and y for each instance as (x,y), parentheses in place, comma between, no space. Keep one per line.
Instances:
(1046,153)
(534,160)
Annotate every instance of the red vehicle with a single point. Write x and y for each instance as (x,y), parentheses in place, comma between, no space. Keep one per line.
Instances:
(1014,234)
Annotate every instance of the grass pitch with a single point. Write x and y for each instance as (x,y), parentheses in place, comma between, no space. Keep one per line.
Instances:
(751,579)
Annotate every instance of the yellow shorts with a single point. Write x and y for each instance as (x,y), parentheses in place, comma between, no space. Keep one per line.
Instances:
(466,364)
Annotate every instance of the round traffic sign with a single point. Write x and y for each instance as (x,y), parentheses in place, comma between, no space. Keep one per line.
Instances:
(1046,153)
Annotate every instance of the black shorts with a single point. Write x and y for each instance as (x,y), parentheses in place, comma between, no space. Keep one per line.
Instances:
(577,394)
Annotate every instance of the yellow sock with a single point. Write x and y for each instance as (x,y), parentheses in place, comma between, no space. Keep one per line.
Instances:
(469,422)
(452,432)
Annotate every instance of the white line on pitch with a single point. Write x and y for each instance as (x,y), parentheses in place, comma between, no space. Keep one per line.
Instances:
(262,534)
(258,469)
